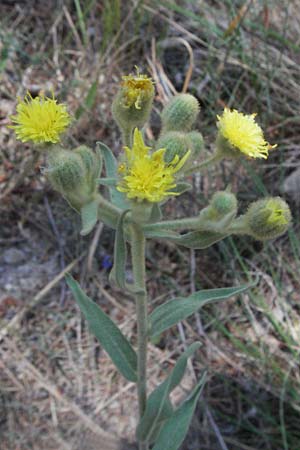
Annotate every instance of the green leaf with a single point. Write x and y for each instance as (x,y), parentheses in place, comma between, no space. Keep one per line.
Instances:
(158,404)
(175,428)
(199,239)
(107,333)
(111,167)
(120,254)
(89,217)
(161,234)
(177,309)
(182,187)
(89,101)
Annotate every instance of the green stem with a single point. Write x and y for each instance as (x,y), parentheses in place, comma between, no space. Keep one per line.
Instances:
(190,223)
(139,272)
(127,136)
(207,162)
(107,212)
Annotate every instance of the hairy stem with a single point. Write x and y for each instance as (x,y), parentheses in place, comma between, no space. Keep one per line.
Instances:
(206,163)
(127,136)
(139,273)
(190,223)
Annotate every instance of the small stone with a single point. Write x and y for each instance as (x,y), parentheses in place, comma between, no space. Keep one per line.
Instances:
(13,256)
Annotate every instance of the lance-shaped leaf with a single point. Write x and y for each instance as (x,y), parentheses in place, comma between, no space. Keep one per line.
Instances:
(107,333)
(120,254)
(158,404)
(111,167)
(199,239)
(175,428)
(89,217)
(177,309)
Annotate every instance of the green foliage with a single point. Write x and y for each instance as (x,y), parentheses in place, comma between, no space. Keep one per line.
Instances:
(175,429)
(89,100)
(198,239)
(111,168)
(177,309)
(182,187)
(111,20)
(118,271)
(158,407)
(107,333)
(89,217)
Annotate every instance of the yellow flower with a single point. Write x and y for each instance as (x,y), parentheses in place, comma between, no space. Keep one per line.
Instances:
(136,89)
(145,175)
(279,215)
(243,133)
(40,119)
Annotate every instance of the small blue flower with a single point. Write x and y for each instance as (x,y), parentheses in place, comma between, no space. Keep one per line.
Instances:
(106,262)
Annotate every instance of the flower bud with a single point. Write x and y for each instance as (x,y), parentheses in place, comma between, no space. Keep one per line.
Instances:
(74,174)
(197,143)
(180,113)
(220,212)
(224,202)
(175,143)
(132,105)
(268,218)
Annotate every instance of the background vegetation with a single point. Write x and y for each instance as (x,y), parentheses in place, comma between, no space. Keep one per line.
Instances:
(58,390)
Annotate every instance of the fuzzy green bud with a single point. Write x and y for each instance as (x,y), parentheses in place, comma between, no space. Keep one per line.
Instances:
(175,143)
(132,105)
(180,114)
(74,174)
(197,143)
(222,208)
(268,218)
(220,212)
(223,202)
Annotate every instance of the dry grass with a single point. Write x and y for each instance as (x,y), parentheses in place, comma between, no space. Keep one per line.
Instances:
(57,388)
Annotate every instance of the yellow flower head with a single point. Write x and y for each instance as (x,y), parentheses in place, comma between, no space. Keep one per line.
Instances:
(145,175)
(243,133)
(40,119)
(136,89)
(279,215)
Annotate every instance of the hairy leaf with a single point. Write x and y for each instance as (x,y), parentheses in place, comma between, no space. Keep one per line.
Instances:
(89,217)
(158,404)
(111,167)
(177,309)
(175,428)
(107,333)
